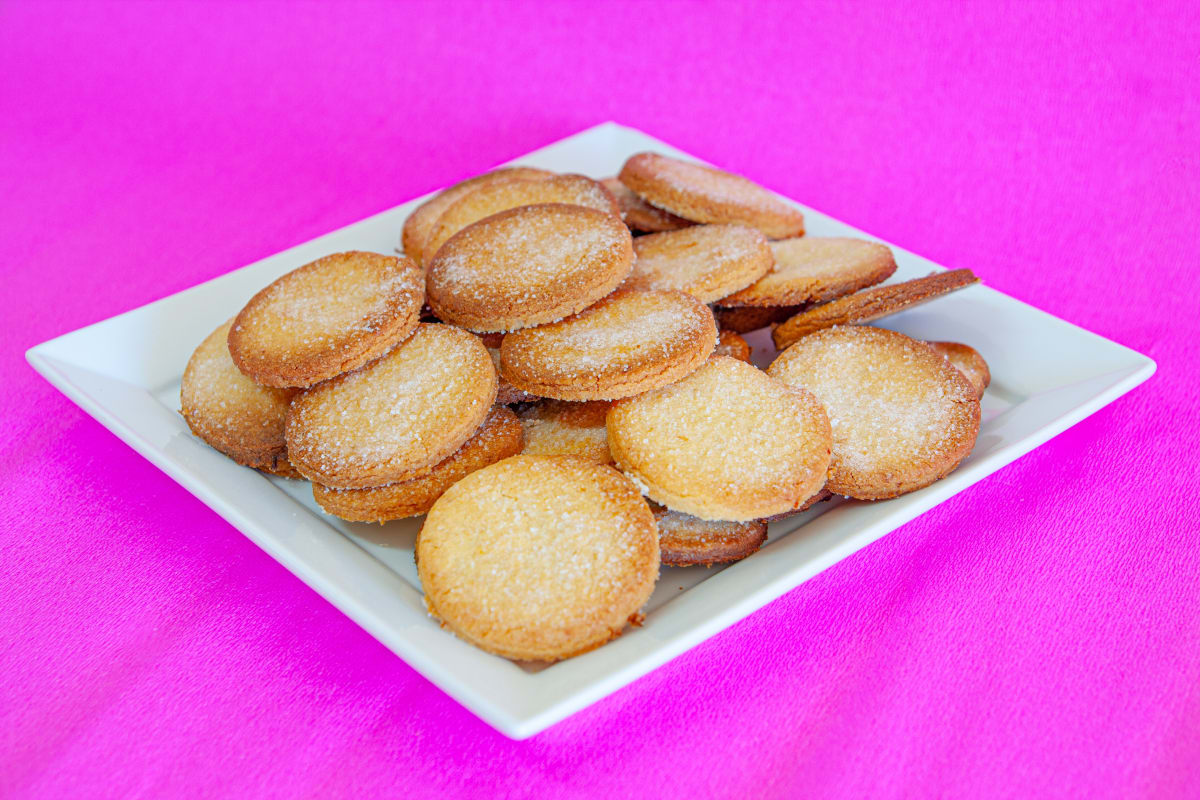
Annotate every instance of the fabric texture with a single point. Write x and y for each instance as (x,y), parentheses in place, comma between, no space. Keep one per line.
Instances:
(1036,636)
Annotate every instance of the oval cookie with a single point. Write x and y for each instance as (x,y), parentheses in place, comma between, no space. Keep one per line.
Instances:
(685,540)
(561,428)
(640,215)
(420,223)
(726,443)
(968,361)
(902,416)
(628,343)
(708,262)
(231,412)
(498,437)
(528,266)
(500,196)
(394,419)
(814,269)
(871,304)
(326,318)
(705,194)
(538,558)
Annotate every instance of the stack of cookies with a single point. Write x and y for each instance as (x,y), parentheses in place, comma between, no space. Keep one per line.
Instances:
(554,374)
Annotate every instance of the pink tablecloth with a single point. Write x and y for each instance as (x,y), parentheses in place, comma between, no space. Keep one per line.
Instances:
(1038,635)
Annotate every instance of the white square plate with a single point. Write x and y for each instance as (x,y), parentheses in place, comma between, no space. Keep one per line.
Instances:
(125,371)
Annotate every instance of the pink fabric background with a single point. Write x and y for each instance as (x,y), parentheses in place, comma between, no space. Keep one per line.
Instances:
(1036,636)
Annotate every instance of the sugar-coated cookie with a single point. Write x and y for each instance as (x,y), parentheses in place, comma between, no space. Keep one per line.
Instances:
(563,428)
(640,215)
(744,319)
(814,269)
(498,437)
(419,225)
(871,304)
(732,345)
(685,540)
(968,361)
(708,262)
(626,344)
(506,393)
(485,201)
(902,415)
(397,418)
(538,558)
(821,496)
(327,317)
(528,266)
(232,413)
(704,194)
(726,443)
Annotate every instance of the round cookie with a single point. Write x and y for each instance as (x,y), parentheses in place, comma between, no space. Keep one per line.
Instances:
(395,419)
(871,304)
(814,269)
(732,345)
(419,225)
(685,540)
(640,215)
(628,343)
(506,393)
(325,318)
(538,558)
(708,262)
(902,415)
(744,319)
(493,198)
(821,496)
(528,266)
(498,437)
(968,361)
(726,443)
(561,428)
(231,412)
(705,194)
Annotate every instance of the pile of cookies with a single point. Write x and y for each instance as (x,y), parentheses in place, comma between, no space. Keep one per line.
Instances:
(554,374)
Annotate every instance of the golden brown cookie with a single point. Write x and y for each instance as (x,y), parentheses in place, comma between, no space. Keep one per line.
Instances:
(704,194)
(506,393)
(726,443)
(493,198)
(283,468)
(528,266)
(498,437)
(397,418)
(562,428)
(708,262)
(326,318)
(686,540)
(814,269)
(968,361)
(821,496)
(744,319)
(231,412)
(732,345)
(902,416)
(871,304)
(419,225)
(628,343)
(538,558)
(640,215)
